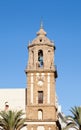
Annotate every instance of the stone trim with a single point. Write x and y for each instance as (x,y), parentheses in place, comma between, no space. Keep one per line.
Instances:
(41,123)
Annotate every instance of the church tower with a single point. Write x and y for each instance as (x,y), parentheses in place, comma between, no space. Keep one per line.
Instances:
(41,76)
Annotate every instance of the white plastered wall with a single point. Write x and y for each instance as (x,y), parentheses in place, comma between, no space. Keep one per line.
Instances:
(14,97)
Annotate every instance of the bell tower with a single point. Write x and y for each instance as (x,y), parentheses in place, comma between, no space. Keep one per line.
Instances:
(41,77)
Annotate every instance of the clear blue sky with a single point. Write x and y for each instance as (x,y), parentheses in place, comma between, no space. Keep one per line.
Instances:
(19,22)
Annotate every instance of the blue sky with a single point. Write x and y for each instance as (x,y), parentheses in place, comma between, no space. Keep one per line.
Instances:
(19,22)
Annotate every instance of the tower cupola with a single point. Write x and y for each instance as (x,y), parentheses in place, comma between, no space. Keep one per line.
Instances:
(41,52)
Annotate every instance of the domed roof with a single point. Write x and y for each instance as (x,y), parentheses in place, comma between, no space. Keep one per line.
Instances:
(41,38)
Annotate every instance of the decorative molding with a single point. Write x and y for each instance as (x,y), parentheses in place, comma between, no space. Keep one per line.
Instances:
(48,93)
(37,74)
(48,88)
(41,123)
(31,77)
(31,93)
(48,78)
(31,74)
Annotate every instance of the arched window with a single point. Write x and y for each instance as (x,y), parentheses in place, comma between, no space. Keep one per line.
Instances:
(40,58)
(40,114)
(40,128)
(49,128)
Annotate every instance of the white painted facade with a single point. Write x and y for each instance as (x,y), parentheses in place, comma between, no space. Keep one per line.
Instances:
(14,97)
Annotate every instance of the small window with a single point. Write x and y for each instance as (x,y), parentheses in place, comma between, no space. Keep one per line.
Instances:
(40,97)
(6,106)
(49,51)
(40,40)
(40,114)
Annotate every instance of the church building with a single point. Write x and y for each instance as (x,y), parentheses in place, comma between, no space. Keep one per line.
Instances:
(38,100)
(41,109)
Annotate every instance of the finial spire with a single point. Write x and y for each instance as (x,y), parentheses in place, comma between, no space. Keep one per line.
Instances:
(41,24)
(41,30)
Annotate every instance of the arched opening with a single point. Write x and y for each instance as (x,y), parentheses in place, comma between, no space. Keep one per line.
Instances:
(40,128)
(40,58)
(32,57)
(40,114)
